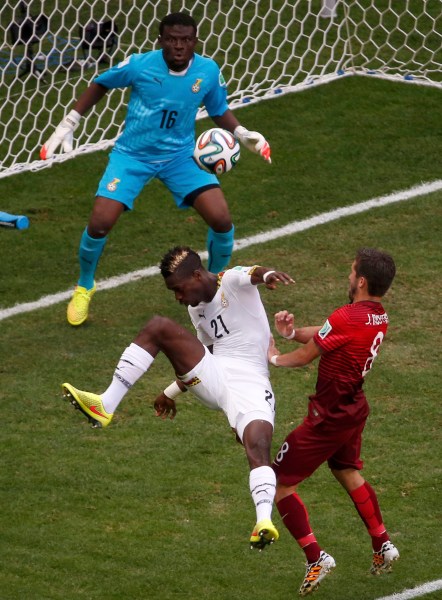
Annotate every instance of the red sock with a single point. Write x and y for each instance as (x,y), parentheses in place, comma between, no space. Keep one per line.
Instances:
(366,503)
(295,518)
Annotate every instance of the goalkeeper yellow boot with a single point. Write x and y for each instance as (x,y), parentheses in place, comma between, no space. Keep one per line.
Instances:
(89,404)
(78,307)
(264,533)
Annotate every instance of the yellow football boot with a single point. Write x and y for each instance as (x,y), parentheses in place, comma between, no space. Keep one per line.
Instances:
(89,404)
(263,534)
(78,307)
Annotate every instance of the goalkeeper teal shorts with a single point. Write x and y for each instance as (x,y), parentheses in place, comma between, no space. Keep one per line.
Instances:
(125,177)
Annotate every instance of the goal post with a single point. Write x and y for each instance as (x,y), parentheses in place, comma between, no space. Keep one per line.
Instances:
(52,49)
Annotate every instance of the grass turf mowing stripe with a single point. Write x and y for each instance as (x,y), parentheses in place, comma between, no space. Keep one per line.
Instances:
(260,238)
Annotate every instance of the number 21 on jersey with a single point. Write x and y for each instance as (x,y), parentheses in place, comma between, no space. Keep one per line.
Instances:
(219,327)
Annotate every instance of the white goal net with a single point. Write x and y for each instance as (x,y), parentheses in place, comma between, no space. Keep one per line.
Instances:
(52,49)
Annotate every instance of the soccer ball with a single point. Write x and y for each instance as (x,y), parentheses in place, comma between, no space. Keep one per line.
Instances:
(216,151)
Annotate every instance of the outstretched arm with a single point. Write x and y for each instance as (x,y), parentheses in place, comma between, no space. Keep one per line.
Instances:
(252,140)
(298,358)
(93,94)
(226,121)
(64,132)
(285,326)
(270,278)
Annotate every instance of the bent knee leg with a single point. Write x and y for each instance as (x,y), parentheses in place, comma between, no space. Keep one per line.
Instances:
(158,328)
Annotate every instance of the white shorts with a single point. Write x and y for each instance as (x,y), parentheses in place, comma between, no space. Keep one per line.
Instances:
(225,384)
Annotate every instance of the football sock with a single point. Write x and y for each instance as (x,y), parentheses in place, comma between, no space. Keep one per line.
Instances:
(134,362)
(295,518)
(89,253)
(262,483)
(366,503)
(220,247)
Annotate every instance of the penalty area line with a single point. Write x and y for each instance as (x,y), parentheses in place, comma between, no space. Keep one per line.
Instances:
(260,238)
(421,590)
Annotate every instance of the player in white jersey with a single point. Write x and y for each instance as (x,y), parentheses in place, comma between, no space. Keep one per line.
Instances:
(236,303)
(224,366)
(168,86)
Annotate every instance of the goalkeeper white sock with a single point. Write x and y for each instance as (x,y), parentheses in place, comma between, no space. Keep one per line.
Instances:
(262,487)
(134,362)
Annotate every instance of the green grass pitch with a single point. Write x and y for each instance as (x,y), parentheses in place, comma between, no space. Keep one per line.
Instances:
(153,509)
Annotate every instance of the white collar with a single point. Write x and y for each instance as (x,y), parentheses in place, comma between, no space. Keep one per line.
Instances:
(181,73)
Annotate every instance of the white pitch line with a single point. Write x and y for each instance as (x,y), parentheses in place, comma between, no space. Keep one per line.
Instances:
(291,228)
(421,590)
(260,238)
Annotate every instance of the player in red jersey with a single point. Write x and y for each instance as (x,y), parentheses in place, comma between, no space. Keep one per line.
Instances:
(347,343)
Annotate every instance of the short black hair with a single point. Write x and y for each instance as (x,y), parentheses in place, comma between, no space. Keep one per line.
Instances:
(182,260)
(377,267)
(178,18)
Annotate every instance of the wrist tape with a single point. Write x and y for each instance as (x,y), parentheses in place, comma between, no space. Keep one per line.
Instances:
(172,390)
(266,275)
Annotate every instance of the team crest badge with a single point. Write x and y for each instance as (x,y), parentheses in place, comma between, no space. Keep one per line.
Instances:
(196,86)
(112,185)
(222,81)
(224,301)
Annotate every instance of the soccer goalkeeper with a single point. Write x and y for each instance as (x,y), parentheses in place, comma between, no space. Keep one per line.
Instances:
(167,88)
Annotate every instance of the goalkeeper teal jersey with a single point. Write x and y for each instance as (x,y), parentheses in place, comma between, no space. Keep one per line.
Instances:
(161,112)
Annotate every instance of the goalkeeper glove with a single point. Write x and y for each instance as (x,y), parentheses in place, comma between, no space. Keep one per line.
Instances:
(63,134)
(253,141)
